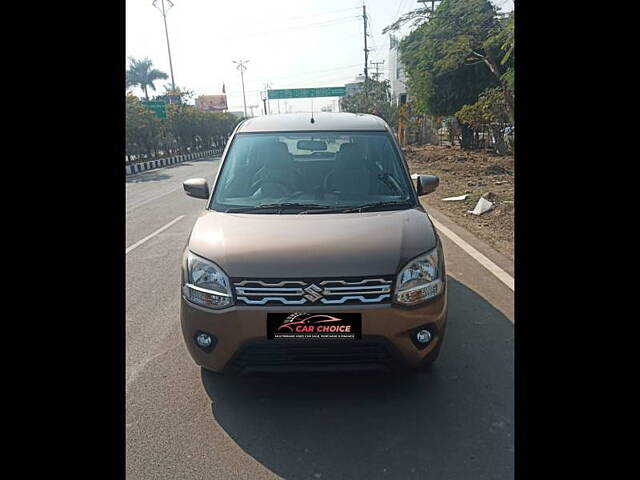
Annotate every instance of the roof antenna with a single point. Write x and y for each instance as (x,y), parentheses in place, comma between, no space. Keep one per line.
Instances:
(312,120)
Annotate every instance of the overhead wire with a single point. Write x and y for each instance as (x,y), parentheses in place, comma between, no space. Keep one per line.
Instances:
(279,79)
(329,23)
(317,14)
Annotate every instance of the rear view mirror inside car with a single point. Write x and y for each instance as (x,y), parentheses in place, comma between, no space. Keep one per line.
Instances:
(313,145)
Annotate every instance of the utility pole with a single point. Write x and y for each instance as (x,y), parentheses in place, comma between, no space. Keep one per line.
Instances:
(366,50)
(263,97)
(241,66)
(267,87)
(377,74)
(166,31)
(402,117)
(433,6)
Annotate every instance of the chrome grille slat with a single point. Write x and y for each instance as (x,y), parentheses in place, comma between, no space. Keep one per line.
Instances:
(299,292)
(270,291)
(268,299)
(369,292)
(358,297)
(357,287)
(265,284)
(366,280)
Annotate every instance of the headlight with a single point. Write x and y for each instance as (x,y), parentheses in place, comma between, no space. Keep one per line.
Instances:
(206,283)
(421,279)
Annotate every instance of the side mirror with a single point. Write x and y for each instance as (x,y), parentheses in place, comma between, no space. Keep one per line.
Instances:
(196,187)
(426,184)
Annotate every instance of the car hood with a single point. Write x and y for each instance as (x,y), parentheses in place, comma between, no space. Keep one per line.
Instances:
(312,245)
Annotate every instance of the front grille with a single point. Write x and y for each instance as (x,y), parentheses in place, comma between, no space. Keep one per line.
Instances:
(359,353)
(308,292)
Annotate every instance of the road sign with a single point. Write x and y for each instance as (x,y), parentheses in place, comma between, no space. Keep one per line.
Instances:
(307,92)
(158,108)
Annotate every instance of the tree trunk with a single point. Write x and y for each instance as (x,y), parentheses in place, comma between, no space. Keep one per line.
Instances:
(508,98)
(496,131)
(466,137)
(506,93)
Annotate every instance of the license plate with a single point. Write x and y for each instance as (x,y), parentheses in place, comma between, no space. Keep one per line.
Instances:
(314,326)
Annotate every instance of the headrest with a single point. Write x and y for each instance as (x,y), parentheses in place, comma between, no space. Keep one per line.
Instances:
(350,153)
(271,153)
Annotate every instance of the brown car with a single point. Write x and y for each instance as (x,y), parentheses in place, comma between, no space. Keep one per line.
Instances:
(313,252)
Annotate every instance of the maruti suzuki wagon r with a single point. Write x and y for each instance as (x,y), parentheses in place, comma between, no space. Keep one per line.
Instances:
(313,252)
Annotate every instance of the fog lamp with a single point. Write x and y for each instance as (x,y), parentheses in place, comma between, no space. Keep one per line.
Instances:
(203,340)
(423,336)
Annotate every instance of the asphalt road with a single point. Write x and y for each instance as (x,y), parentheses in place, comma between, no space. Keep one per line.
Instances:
(455,423)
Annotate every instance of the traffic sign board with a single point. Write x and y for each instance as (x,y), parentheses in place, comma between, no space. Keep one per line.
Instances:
(157,107)
(307,92)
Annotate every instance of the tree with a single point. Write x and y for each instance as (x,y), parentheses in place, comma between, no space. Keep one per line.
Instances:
(184,128)
(140,74)
(418,15)
(184,95)
(141,128)
(192,128)
(373,98)
(490,110)
(456,53)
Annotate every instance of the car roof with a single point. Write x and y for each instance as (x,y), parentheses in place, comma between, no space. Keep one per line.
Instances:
(323,121)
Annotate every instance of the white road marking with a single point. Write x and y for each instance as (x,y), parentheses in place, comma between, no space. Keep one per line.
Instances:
(503,276)
(135,370)
(148,237)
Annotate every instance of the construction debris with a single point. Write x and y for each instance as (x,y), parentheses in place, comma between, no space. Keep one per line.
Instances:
(489,196)
(471,178)
(483,206)
(455,199)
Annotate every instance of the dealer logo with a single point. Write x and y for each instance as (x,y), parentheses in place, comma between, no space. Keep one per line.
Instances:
(305,323)
(314,292)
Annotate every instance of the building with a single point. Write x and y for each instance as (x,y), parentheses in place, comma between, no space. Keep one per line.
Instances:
(356,86)
(397,76)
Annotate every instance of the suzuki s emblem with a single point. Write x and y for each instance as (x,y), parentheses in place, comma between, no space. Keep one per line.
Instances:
(314,292)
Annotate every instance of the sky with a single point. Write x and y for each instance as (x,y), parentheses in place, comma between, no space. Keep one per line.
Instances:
(288,44)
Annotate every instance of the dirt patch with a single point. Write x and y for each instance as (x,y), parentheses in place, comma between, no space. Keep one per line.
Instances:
(476,174)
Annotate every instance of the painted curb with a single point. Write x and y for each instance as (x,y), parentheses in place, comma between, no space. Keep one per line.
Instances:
(163,162)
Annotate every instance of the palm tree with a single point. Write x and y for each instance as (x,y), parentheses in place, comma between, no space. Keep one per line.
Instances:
(140,74)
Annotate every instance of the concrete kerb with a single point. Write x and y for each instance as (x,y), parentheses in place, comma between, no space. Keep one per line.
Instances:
(163,162)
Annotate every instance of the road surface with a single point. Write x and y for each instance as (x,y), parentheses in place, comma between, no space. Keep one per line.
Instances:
(456,423)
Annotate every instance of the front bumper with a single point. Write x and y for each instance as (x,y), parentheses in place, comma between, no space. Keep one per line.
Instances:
(241,337)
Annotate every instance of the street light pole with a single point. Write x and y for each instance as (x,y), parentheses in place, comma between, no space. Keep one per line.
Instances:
(241,66)
(263,96)
(267,87)
(166,31)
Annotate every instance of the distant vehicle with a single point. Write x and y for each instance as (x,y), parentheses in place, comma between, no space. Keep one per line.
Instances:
(316,218)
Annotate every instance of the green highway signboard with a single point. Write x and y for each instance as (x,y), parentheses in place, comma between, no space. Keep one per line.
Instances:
(307,92)
(158,108)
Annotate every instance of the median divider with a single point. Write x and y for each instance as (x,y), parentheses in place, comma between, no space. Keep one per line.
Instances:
(163,162)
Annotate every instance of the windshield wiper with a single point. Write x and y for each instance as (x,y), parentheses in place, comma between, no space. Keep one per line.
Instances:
(278,206)
(370,206)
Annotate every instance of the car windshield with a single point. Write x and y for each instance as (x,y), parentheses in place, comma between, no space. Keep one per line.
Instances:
(317,172)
